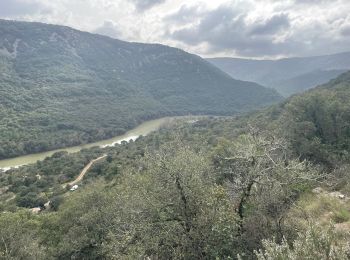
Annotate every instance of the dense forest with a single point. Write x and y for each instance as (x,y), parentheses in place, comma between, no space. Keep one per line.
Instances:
(269,185)
(61,87)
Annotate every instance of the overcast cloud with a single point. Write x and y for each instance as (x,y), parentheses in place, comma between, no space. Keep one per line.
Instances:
(142,5)
(236,28)
(9,8)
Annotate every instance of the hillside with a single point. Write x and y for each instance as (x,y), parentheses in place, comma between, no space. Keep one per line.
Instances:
(206,189)
(61,87)
(306,81)
(315,122)
(288,76)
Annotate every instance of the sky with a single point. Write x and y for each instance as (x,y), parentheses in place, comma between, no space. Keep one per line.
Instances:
(210,28)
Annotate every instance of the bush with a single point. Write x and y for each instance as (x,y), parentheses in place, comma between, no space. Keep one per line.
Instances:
(341,216)
(316,243)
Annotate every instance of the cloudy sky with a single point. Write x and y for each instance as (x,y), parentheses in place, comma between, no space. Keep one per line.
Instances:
(236,28)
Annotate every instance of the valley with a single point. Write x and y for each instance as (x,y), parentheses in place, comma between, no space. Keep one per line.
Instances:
(288,76)
(112,149)
(66,87)
(141,130)
(289,151)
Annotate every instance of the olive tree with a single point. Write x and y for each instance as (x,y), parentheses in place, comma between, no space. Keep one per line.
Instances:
(263,180)
(174,210)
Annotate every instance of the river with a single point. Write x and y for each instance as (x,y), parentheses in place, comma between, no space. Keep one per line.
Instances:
(143,129)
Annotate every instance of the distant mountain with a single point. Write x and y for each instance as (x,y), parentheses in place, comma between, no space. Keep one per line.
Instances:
(288,76)
(62,87)
(306,81)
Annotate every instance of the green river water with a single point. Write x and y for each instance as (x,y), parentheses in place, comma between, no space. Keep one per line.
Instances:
(143,129)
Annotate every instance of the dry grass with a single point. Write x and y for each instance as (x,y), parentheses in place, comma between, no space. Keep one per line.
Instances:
(321,208)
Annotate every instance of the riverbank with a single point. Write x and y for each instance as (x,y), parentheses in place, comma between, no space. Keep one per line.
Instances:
(142,129)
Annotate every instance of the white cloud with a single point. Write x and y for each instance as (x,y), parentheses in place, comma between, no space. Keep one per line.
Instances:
(109,28)
(254,28)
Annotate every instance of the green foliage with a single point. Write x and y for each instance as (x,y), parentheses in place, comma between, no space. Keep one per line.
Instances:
(35,184)
(342,215)
(162,198)
(60,87)
(19,236)
(264,182)
(55,202)
(317,123)
(172,209)
(209,189)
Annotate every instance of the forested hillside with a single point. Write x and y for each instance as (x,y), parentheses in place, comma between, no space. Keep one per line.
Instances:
(62,87)
(271,185)
(317,123)
(288,76)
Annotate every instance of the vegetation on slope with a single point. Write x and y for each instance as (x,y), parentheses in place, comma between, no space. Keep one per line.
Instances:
(213,189)
(61,87)
(317,122)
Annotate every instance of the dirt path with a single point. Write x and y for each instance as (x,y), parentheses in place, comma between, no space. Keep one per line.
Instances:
(84,171)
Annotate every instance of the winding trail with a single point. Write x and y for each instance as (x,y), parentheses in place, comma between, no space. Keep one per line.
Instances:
(84,171)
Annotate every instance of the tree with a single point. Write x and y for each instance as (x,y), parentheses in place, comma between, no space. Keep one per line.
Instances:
(19,236)
(263,181)
(175,210)
(170,208)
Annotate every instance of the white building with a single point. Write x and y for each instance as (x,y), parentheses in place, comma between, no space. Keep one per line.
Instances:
(75,187)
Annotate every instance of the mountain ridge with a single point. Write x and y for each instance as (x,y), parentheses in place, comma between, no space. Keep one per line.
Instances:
(284,74)
(62,87)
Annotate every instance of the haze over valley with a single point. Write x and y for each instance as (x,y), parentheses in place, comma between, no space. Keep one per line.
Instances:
(288,76)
